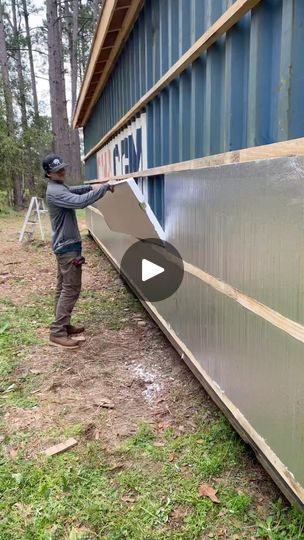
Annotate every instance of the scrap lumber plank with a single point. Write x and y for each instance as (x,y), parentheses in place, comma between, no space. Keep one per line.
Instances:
(61,447)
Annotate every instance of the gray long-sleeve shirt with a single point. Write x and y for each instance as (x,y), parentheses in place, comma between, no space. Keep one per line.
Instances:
(62,201)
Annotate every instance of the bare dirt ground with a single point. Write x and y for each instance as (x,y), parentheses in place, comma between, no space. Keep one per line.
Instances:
(134,368)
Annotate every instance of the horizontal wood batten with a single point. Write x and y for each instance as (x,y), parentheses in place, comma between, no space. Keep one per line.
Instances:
(294,147)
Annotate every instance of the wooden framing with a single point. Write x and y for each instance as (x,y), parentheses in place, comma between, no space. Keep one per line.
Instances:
(293,147)
(87,101)
(220,27)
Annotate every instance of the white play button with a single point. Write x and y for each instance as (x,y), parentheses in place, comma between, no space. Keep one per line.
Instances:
(149,270)
(150,259)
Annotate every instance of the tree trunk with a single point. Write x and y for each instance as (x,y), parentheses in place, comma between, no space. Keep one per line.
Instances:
(98,6)
(75,142)
(21,85)
(74,53)
(95,12)
(60,125)
(83,56)
(16,180)
(5,77)
(81,49)
(30,53)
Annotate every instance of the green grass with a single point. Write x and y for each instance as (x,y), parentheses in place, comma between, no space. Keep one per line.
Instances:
(107,307)
(18,330)
(81,495)
(81,214)
(6,211)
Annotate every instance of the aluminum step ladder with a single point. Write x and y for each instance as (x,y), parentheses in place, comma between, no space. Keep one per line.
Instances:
(33,218)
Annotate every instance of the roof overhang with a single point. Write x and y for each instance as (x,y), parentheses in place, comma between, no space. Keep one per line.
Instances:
(113,28)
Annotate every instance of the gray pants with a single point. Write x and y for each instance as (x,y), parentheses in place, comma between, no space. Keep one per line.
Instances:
(67,292)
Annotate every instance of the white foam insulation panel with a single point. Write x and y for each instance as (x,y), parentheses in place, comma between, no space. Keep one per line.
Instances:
(125,211)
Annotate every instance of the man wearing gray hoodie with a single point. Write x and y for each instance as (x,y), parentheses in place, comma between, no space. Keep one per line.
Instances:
(62,202)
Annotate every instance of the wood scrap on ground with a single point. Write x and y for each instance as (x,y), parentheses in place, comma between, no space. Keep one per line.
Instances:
(61,447)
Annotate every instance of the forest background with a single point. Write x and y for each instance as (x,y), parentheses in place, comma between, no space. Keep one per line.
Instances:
(42,45)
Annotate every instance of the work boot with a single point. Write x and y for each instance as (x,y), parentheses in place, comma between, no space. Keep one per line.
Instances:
(64,341)
(74,330)
(77,338)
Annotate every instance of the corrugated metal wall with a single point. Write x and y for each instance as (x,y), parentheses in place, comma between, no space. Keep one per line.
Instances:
(91,168)
(247,90)
(164,30)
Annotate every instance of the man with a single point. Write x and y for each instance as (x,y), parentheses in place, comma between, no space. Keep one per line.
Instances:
(62,201)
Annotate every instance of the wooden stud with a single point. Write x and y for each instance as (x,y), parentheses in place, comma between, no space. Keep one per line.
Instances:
(125,5)
(114,31)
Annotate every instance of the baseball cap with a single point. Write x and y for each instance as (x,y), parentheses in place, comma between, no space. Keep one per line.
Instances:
(53,163)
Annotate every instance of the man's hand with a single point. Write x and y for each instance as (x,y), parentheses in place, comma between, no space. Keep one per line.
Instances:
(109,186)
